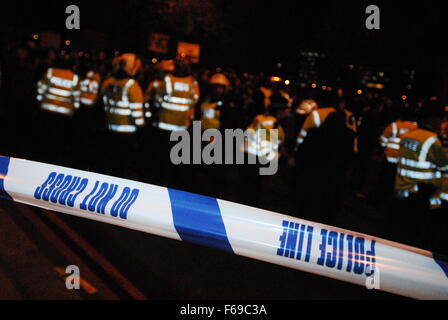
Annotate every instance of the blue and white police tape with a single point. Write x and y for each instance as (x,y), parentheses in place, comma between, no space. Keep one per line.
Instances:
(243,230)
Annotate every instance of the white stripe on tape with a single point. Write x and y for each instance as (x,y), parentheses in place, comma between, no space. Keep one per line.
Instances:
(260,234)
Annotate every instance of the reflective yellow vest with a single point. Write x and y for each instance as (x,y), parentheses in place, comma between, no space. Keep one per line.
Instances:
(177,98)
(89,88)
(260,141)
(390,139)
(58,91)
(210,115)
(317,117)
(123,104)
(422,159)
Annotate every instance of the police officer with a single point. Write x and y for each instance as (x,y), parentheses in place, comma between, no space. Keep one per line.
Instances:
(265,138)
(326,149)
(390,140)
(177,95)
(58,93)
(123,104)
(416,215)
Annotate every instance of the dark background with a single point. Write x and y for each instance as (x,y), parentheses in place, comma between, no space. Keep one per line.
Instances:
(255,34)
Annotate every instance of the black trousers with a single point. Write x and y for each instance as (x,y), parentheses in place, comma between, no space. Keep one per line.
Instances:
(411,221)
(54,139)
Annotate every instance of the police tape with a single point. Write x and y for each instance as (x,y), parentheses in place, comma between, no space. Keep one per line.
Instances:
(291,242)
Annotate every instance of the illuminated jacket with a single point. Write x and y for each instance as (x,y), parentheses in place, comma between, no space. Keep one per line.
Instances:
(58,91)
(177,97)
(317,117)
(390,139)
(123,104)
(89,88)
(260,141)
(422,159)
(151,101)
(211,114)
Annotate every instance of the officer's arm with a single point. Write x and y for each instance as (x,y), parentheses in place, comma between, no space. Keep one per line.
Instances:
(43,85)
(76,92)
(308,124)
(387,133)
(136,101)
(439,156)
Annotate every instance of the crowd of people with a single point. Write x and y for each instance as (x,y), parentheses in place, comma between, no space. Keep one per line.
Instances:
(114,114)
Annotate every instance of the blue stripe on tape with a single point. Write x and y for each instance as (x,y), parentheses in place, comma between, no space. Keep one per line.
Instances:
(4,165)
(198,219)
(442,262)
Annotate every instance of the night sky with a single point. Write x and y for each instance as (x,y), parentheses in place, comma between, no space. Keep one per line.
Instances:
(258,34)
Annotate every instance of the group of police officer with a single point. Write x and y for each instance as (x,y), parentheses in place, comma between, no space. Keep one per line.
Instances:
(320,143)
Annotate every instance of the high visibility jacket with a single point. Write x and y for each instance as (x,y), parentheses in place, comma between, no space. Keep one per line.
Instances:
(317,117)
(390,139)
(422,159)
(58,91)
(261,140)
(150,97)
(89,88)
(211,114)
(177,98)
(123,104)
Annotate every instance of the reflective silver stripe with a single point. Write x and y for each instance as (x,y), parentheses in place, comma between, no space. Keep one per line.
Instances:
(303,133)
(445,168)
(137,114)
(120,111)
(75,80)
(394,129)
(420,175)
(209,113)
(393,146)
(126,90)
(392,160)
(435,201)
(58,98)
(121,104)
(148,114)
(62,82)
(39,97)
(403,193)
(140,122)
(54,108)
(175,107)
(169,88)
(316,118)
(444,196)
(87,101)
(136,105)
(425,148)
(267,123)
(407,193)
(179,100)
(299,140)
(49,73)
(417,164)
(171,127)
(395,140)
(76,105)
(61,92)
(122,128)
